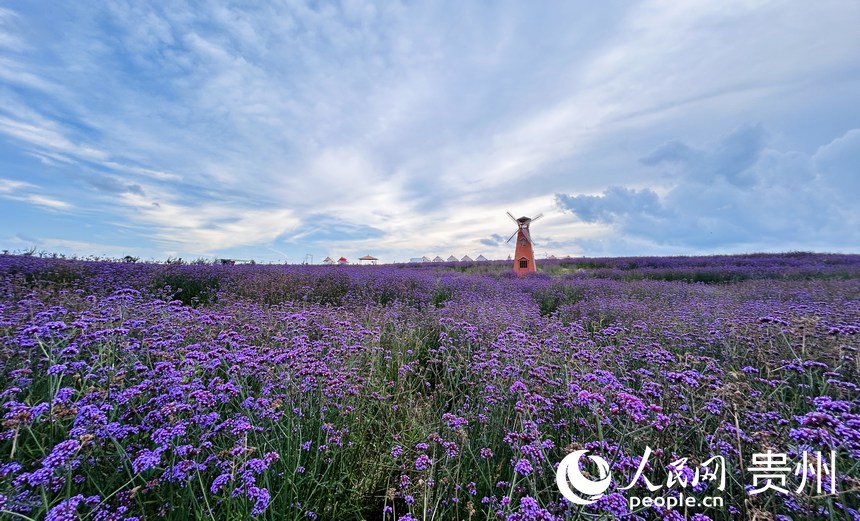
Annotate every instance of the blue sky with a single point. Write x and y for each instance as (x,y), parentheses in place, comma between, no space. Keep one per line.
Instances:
(270,131)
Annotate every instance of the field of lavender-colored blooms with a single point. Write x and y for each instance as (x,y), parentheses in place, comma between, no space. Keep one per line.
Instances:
(135,391)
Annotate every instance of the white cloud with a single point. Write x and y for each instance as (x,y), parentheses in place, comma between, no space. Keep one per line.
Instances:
(10,186)
(21,191)
(47,202)
(205,228)
(838,164)
(46,138)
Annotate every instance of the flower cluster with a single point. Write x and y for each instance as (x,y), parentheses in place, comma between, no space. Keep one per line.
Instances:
(144,391)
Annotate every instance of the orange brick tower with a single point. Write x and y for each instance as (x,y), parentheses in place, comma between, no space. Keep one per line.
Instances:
(524,257)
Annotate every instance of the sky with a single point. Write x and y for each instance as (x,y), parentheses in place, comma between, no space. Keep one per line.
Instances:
(282,130)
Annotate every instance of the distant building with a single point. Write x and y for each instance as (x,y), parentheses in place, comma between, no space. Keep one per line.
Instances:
(368,258)
(438,259)
(342,261)
(481,258)
(328,260)
(452,259)
(466,258)
(233,262)
(426,259)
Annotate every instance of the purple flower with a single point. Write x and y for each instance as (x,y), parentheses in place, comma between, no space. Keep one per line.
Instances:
(530,511)
(7,469)
(57,369)
(423,462)
(613,504)
(633,406)
(518,386)
(454,421)
(165,434)
(64,394)
(524,467)
(220,481)
(714,406)
(261,500)
(146,459)
(66,510)
(585,397)
(451,449)
(61,453)
(39,477)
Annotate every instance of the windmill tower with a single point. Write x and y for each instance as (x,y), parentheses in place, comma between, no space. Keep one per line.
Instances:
(524,256)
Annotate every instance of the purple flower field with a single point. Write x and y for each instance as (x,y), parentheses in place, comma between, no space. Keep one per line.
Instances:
(445,391)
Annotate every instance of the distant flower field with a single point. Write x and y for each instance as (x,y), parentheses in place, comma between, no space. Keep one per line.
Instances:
(133,391)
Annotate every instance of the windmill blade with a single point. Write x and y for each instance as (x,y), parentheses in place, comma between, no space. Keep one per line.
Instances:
(538,217)
(512,217)
(529,237)
(511,237)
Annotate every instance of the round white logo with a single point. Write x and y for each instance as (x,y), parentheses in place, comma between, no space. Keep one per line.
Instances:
(568,470)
